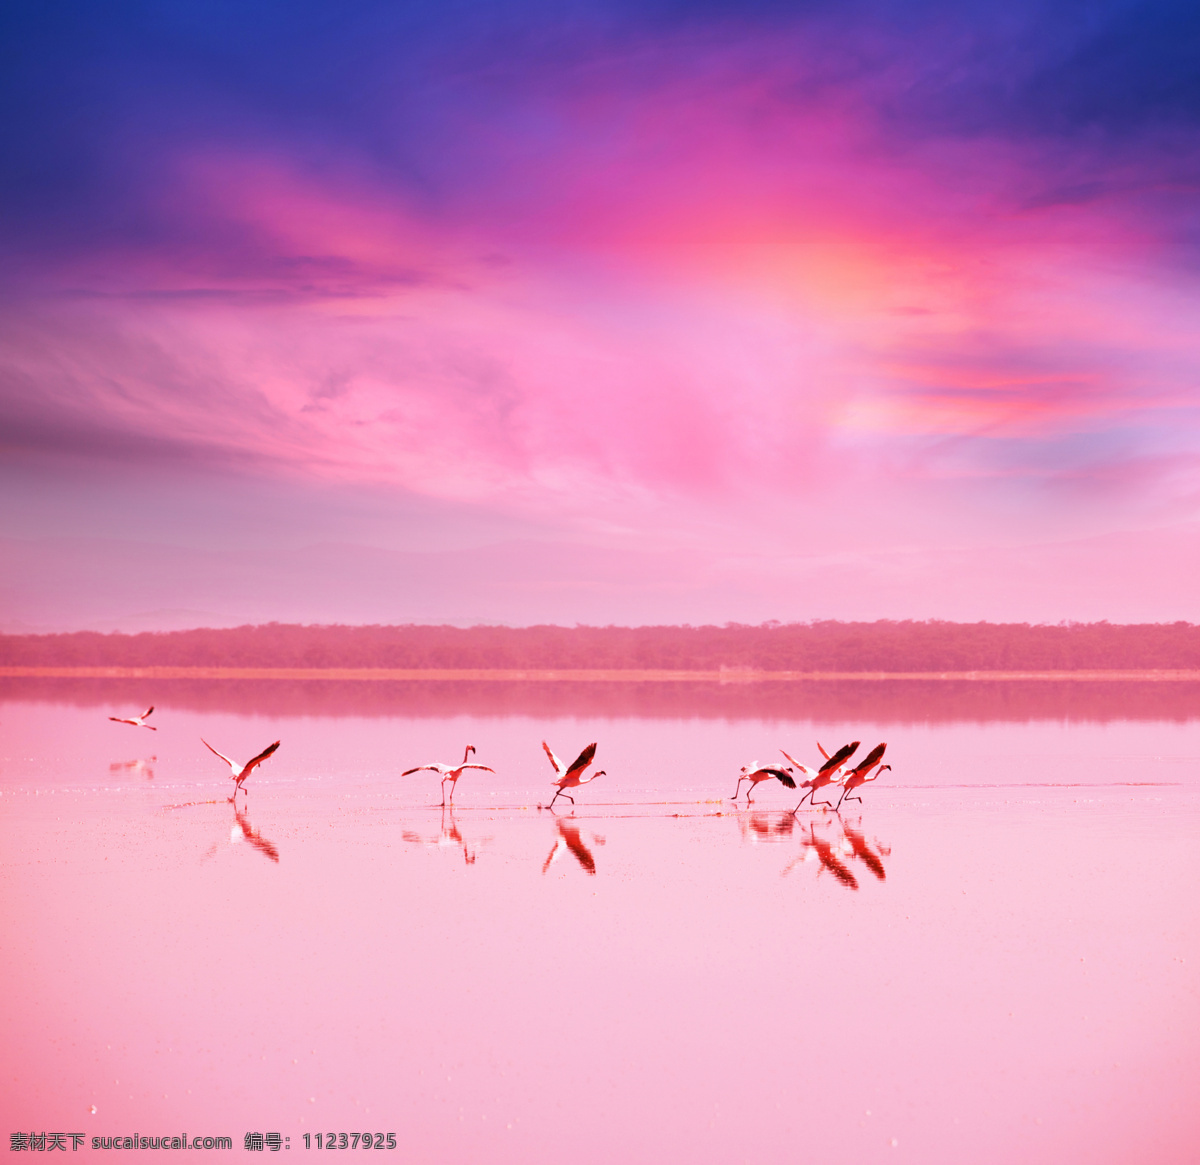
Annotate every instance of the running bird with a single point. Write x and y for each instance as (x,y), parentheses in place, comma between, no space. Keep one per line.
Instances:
(449,772)
(237,771)
(137,721)
(827,774)
(756,773)
(570,778)
(859,777)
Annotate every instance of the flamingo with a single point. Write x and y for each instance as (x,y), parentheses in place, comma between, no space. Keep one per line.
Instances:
(449,772)
(756,773)
(137,721)
(237,771)
(827,774)
(570,778)
(860,776)
(872,760)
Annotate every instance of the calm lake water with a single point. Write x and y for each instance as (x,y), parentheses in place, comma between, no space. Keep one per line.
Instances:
(994,958)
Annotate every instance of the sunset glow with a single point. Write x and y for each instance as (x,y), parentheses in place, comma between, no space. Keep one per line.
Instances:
(668,314)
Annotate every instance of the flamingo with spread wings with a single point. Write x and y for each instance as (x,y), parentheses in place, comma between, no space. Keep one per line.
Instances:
(237,771)
(572,777)
(756,773)
(827,774)
(136,721)
(869,770)
(450,773)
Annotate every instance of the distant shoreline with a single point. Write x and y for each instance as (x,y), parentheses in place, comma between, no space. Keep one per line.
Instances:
(569,675)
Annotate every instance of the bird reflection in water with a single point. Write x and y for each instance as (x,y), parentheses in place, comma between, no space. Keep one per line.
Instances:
(141,767)
(829,857)
(871,858)
(250,834)
(833,855)
(764,826)
(450,836)
(569,838)
(241,830)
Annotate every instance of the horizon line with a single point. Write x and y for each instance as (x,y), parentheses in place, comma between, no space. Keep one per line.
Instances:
(722,675)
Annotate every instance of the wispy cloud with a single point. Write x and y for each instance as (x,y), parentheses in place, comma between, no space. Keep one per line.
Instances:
(702,275)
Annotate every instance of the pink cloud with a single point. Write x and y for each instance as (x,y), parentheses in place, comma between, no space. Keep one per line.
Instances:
(708,310)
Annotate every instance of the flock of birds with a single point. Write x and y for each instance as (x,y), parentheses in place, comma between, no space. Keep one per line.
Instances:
(832,773)
(568,776)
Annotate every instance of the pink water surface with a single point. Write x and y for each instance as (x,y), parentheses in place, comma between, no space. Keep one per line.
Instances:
(1003,970)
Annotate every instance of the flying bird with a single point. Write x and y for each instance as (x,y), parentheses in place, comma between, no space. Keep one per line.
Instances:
(237,771)
(450,772)
(756,773)
(827,774)
(137,721)
(570,778)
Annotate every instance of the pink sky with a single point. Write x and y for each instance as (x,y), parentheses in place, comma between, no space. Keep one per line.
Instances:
(693,327)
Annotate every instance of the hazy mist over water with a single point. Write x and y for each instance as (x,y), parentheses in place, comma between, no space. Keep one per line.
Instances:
(883,701)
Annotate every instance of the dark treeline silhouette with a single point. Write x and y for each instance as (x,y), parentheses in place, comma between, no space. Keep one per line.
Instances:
(882,702)
(887,646)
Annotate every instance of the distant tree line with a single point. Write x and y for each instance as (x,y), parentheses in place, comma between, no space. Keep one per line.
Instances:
(824,646)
